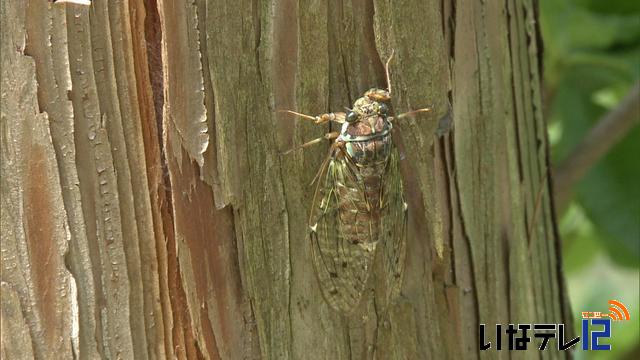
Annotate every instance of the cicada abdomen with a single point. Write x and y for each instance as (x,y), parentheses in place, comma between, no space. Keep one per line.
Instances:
(358,220)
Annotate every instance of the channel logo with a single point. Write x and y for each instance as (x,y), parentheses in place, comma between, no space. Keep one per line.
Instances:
(596,328)
(591,319)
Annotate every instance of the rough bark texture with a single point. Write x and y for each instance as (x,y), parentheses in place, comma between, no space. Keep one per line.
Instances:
(147,211)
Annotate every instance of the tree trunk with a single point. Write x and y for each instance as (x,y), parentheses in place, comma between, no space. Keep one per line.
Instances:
(147,211)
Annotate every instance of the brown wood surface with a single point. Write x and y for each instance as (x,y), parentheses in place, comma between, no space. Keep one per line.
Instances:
(147,211)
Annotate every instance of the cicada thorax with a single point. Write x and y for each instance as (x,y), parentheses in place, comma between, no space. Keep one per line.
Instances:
(366,147)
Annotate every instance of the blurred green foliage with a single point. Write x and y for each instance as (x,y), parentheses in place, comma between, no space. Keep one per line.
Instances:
(592,54)
(591,60)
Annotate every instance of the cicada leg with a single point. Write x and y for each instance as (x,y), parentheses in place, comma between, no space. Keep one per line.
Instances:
(386,70)
(328,136)
(337,117)
(412,112)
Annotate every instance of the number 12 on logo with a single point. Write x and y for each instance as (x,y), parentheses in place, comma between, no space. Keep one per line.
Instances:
(595,334)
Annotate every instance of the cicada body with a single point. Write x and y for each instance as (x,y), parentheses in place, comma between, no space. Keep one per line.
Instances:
(359,212)
(358,220)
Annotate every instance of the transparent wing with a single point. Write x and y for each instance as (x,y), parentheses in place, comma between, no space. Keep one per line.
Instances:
(393,235)
(342,264)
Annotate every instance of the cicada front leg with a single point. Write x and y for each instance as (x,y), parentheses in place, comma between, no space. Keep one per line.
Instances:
(328,136)
(412,112)
(337,117)
(387,73)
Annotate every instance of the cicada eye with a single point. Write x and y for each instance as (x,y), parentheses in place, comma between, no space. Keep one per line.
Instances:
(383,109)
(352,116)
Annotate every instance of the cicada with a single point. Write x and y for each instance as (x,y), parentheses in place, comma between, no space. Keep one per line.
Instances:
(359,213)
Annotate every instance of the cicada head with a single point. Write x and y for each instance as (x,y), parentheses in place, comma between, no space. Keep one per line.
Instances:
(378,95)
(369,113)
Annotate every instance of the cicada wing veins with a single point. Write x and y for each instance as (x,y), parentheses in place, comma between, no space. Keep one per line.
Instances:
(342,265)
(393,235)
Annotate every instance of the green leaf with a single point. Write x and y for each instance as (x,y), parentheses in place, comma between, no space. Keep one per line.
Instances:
(580,241)
(571,27)
(584,94)
(610,195)
(621,7)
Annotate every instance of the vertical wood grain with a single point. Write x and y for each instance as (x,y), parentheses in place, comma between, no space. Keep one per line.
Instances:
(148,211)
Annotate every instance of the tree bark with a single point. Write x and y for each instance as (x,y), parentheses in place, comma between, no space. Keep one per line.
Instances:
(147,211)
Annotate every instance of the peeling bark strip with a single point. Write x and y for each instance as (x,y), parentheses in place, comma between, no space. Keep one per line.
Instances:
(147,211)
(39,311)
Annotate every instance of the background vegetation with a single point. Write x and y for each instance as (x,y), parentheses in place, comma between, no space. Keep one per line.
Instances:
(591,63)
